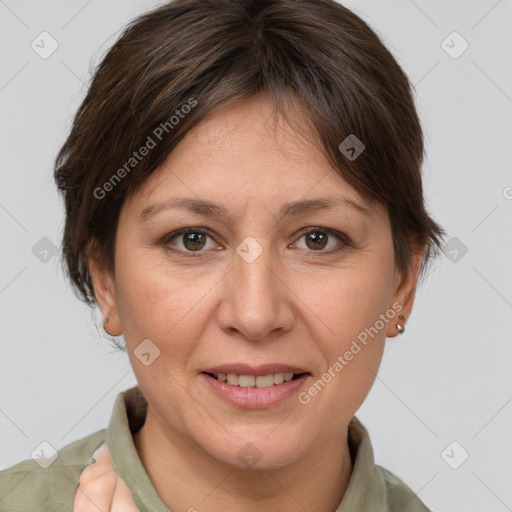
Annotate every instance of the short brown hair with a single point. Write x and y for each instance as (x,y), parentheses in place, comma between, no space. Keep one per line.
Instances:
(316,53)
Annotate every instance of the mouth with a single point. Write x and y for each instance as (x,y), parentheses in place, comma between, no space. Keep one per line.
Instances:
(255,387)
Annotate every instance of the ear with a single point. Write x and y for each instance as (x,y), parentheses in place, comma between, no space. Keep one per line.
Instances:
(405,289)
(104,290)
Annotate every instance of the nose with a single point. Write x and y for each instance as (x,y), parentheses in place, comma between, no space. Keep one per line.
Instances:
(256,302)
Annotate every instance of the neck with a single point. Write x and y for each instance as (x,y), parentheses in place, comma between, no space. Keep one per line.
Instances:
(186,478)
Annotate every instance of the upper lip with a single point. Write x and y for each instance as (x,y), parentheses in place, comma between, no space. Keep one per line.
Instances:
(246,369)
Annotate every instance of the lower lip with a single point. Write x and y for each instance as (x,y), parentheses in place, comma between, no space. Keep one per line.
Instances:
(253,397)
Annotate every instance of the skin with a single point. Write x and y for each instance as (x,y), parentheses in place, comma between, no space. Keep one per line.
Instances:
(100,488)
(298,303)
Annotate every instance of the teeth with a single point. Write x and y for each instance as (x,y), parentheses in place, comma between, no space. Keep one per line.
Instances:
(232,379)
(278,378)
(246,381)
(250,381)
(264,381)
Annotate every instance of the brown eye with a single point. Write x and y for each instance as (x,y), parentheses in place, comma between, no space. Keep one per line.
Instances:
(193,241)
(316,240)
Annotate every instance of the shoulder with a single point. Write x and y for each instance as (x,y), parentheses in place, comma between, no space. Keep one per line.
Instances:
(399,495)
(31,485)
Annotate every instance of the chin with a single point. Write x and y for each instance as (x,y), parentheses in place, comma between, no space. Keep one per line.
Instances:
(256,449)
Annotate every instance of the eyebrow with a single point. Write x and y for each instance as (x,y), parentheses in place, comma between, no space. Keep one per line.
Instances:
(211,209)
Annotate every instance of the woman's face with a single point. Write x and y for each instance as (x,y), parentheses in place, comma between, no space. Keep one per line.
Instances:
(254,282)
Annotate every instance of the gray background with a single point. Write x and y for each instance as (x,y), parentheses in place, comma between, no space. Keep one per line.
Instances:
(446,379)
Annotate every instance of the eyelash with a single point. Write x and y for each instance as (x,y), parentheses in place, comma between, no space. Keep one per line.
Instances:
(344,241)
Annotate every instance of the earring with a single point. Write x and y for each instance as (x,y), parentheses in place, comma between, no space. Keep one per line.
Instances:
(400,327)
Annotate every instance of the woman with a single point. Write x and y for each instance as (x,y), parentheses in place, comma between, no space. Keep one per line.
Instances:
(244,204)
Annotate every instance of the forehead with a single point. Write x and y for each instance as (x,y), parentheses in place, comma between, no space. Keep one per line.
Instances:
(251,123)
(246,152)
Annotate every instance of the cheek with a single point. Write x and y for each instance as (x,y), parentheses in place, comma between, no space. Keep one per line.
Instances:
(348,302)
(159,304)
(349,314)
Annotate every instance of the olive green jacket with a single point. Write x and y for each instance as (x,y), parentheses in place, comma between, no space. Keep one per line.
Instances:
(29,487)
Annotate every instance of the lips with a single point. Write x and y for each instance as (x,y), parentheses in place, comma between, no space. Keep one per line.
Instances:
(249,391)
